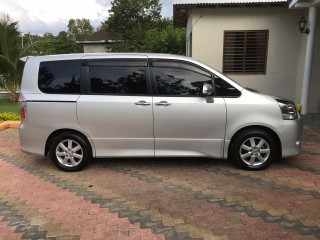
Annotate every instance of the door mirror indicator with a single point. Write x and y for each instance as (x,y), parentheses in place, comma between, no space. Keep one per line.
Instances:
(207,90)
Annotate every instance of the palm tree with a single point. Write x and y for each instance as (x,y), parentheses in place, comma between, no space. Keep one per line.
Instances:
(10,53)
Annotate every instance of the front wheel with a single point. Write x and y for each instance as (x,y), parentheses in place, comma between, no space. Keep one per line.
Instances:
(70,152)
(253,149)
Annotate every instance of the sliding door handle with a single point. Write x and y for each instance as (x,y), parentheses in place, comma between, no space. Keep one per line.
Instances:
(163,103)
(142,103)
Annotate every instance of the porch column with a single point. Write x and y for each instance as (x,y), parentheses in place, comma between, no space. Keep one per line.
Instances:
(308,61)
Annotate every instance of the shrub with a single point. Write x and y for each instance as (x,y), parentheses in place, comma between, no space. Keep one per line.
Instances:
(9,116)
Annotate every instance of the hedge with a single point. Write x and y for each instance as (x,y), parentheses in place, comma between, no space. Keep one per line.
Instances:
(9,116)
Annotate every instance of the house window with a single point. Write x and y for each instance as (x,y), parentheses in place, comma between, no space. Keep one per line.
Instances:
(245,52)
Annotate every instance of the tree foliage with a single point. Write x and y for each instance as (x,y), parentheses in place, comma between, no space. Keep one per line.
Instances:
(167,40)
(45,45)
(10,53)
(130,20)
(79,28)
(63,43)
(50,44)
(13,46)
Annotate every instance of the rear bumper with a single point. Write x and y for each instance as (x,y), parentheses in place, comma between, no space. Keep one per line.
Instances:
(32,140)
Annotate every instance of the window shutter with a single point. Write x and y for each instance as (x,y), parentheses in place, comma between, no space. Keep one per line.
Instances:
(245,52)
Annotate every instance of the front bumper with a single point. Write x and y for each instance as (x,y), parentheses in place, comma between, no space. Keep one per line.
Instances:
(290,136)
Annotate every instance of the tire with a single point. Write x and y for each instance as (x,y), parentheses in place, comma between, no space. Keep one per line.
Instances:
(70,152)
(253,149)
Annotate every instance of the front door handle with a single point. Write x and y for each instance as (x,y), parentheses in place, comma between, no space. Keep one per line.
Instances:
(142,103)
(163,103)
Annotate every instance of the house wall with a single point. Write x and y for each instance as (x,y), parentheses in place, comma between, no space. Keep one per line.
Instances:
(208,25)
(92,48)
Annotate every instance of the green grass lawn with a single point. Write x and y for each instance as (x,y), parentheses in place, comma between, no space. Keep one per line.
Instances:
(6,106)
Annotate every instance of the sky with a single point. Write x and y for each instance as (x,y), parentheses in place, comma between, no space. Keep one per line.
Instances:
(41,16)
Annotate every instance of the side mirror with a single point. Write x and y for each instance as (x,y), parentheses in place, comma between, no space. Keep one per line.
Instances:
(207,90)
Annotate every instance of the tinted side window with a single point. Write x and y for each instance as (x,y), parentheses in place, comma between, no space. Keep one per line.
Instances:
(180,79)
(60,77)
(224,89)
(118,80)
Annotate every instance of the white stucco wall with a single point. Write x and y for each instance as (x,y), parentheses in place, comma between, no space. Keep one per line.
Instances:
(208,25)
(92,48)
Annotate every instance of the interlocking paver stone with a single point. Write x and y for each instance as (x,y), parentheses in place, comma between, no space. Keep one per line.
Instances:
(159,198)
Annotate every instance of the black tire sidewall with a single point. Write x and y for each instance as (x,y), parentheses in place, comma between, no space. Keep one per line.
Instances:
(245,135)
(80,140)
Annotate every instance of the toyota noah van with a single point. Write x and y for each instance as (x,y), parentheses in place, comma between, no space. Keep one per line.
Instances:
(82,106)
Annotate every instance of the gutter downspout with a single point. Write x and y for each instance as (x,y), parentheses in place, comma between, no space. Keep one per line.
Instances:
(308,60)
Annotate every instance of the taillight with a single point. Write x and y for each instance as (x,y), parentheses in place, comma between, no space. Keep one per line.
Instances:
(22,113)
(23,107)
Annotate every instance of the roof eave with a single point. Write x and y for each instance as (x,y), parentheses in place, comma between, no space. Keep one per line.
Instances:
(298,4)
(92,42)
(180,11)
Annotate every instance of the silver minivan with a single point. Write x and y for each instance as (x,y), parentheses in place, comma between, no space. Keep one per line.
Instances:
(81,106)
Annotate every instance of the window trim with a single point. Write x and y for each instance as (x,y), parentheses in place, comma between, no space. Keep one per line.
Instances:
(117,62)
(244,72)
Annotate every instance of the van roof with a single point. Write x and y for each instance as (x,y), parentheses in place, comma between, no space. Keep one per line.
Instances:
(103,55)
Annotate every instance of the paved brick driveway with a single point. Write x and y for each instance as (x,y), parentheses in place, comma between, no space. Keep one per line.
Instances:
(159,198)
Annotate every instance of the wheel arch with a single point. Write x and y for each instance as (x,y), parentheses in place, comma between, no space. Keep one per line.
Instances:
(60,131)
(259,127)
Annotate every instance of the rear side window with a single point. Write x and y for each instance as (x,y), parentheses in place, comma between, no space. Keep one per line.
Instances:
(118,77)
(59,77)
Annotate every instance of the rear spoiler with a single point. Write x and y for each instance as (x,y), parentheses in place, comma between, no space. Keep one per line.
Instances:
(24,59)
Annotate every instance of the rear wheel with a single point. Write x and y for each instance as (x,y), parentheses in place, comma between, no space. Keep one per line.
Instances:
(70,152)
(253,149)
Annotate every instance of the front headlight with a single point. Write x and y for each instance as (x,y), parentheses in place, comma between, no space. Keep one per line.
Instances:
(288,109)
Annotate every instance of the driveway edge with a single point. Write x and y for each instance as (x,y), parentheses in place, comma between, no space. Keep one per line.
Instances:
(9,124)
